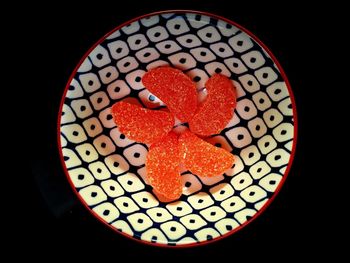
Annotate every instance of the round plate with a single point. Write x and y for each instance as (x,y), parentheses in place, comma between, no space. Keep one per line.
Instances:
(107,170)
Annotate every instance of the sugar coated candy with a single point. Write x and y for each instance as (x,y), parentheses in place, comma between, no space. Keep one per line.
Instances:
(202,158)
(141,124)
(216,111)
(175,89)
(162,167)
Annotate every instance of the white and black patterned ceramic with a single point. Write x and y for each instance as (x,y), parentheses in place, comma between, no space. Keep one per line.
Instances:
(107,170)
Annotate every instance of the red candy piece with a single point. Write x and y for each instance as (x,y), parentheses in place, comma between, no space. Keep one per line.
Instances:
(141,124)
(162,198)
(175,89)
(216,111)
(162,166)
(202,158)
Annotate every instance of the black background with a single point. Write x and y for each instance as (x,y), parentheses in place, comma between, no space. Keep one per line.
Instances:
(53,221)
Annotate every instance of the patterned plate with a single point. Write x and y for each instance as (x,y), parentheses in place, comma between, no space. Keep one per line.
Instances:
(107,170)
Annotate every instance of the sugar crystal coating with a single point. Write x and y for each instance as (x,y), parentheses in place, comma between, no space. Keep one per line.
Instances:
(175,89)
(216,111)
(162,167)
(202,158)
(141,124)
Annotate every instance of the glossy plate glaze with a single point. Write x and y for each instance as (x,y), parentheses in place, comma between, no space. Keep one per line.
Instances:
(107,170)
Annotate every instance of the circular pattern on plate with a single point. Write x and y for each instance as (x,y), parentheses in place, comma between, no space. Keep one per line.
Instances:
(107,169)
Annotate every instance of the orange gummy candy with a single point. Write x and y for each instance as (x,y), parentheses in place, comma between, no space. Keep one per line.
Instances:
(141,124)
(202,158)
(175,89)
(162,166)
(216,111)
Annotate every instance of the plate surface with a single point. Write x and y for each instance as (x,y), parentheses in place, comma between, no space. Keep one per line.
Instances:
(106,169)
